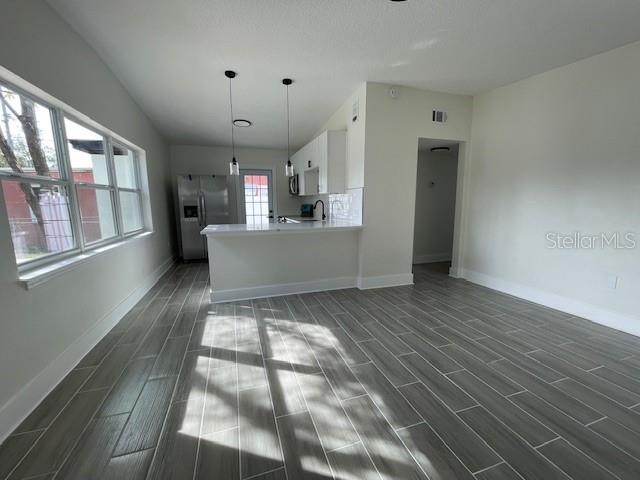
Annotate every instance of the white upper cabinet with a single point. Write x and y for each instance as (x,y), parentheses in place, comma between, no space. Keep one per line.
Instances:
(332,161)
(302,161)
(323,158)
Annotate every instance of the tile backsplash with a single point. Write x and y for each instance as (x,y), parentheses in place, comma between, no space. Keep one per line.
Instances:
(347,206)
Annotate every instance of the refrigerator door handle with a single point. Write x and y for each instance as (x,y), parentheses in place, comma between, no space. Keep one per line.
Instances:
(199,209)
(203,210)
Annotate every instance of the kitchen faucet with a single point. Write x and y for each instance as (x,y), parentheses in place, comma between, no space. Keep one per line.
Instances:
(324,217)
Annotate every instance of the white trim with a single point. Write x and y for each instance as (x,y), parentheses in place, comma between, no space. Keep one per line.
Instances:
(432,257)
(605,317)
(276,290)
(29,397)
(456,272)
(461,208)
(365,283)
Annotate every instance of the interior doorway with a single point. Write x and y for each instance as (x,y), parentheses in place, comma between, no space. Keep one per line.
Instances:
(435,208)
(255,201)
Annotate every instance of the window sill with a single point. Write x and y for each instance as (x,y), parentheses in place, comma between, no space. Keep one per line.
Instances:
(38,276)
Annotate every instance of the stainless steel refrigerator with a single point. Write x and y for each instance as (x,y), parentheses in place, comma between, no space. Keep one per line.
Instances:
(202,200)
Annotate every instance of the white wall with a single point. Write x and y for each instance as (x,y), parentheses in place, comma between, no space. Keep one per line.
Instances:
(38,325)
(382,158)
(435,206)
(559,152)
(206,160)
(393,127)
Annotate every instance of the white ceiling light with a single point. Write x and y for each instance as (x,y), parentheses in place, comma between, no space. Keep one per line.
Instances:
(242,123)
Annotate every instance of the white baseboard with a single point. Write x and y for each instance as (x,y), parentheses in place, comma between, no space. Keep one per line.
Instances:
(22,403)
(571,306)
(261,291)
(365,283)
(456,272)
(432,257)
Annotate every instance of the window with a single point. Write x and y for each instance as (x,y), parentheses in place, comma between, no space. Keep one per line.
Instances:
(90,173)
(66,187)
(130,195)
(39,218)
(28,139)
(96,213)
(86,154)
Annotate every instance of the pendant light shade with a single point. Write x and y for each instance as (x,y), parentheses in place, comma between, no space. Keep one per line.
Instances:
(234,167)
(288,168)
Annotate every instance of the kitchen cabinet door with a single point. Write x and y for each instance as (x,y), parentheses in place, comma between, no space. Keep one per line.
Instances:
(307,159)
(322,151)
(332,148)
(310,156)
(326,156)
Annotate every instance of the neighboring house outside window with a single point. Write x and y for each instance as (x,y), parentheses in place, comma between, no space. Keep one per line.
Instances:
(67,187)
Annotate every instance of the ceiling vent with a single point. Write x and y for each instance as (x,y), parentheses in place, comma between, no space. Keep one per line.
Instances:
(439,116)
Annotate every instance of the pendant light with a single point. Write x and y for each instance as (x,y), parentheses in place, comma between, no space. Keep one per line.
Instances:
(234,168)
(288,169)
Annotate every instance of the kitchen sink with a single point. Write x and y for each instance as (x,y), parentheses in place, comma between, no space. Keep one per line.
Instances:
(297,219)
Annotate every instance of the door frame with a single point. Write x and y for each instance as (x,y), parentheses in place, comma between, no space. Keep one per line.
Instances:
(461,207)
(240,207)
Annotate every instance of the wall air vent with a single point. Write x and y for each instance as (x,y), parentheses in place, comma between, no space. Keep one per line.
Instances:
(439,116)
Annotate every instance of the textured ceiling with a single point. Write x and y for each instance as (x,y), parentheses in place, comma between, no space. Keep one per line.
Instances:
(171,54)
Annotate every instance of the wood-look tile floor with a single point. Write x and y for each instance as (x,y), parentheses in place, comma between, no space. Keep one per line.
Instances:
(441,380)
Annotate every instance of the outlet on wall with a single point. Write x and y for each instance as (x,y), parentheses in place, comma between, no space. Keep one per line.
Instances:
(612,282)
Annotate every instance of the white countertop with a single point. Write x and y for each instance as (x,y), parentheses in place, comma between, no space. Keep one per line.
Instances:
(236,229)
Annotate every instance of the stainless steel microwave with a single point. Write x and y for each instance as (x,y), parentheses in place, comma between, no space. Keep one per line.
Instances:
(294,185)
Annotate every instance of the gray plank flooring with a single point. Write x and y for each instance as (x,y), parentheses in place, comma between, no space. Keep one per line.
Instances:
(440,380)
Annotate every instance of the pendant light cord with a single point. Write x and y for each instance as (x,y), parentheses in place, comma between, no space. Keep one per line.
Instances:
(233,144)
(288,128)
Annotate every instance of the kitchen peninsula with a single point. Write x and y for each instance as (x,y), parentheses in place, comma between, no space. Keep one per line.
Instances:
(250,261)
